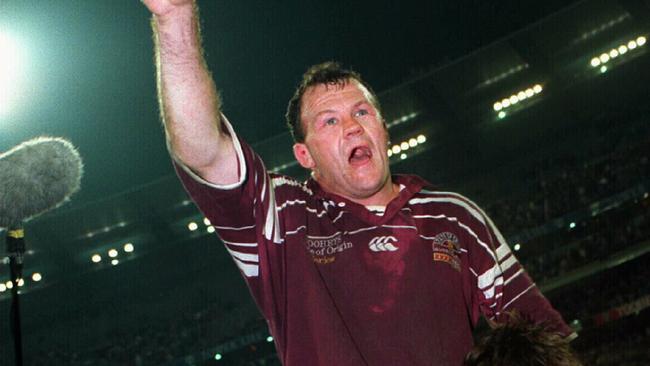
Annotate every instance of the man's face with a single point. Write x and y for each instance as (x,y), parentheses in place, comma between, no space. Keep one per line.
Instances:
(345,140)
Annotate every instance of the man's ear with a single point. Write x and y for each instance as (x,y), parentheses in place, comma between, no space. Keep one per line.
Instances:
(303,155)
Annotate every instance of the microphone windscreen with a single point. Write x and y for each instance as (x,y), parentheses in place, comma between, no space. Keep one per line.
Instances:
(36,176)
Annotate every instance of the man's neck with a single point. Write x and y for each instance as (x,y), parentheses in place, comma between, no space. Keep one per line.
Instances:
(381,197)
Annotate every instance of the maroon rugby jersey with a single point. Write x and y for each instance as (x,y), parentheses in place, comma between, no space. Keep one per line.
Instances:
(340,285)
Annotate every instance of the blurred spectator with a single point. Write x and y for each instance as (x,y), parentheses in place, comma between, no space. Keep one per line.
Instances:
(519,342)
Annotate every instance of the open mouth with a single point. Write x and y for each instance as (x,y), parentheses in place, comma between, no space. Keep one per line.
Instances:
(360,155)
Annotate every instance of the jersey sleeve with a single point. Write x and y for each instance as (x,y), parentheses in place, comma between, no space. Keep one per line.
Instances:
(246,220)
(497,283)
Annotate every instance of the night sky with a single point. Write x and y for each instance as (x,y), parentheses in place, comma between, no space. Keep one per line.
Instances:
(89,77)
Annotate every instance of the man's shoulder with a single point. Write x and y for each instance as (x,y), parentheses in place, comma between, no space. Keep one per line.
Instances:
(283,184)
(430,197)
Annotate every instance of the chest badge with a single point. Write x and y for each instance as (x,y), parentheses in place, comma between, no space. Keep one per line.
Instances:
(446,248)
(383,244)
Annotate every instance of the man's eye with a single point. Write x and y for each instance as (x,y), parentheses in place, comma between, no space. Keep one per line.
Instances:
(330,121)
(361,112)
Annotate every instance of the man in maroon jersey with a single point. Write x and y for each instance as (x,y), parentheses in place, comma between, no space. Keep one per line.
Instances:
(354,266)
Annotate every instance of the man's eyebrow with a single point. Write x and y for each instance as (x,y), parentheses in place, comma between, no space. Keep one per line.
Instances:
(324,112)
(363,101)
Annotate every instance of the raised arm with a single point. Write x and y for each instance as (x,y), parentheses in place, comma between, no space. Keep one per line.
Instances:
(189,102)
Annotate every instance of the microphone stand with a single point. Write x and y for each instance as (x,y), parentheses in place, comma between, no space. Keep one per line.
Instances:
(15,251)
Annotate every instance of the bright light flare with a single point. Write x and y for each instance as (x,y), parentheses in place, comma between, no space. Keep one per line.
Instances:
(12,61)
(413,142)
(604,58)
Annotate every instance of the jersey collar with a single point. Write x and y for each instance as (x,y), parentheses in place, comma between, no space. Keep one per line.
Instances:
(412,185)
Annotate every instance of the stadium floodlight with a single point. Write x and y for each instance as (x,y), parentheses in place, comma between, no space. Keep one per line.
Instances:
(96,258)
(517,247)
(269,339)
(516,97)
(218,356)
(603,69)
(3,287)
(502,115)
(206,221)
(128,247)
(522,95)
(36,277)
(9,285)
(604,57)
(112,253)
(402,119)
(192,226)
(615,52)
(21,282)
(210,229)
(12,61)
(408,143)
(115,262)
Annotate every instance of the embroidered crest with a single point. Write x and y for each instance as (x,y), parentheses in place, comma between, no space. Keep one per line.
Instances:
(446,248)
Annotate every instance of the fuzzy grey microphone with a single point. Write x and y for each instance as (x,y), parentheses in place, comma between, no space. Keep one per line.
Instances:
(37,176)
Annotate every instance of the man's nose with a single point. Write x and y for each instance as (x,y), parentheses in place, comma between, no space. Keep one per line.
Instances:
(352,127)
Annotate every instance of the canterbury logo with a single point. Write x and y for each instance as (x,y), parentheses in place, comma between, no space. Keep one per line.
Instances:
(383,244)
